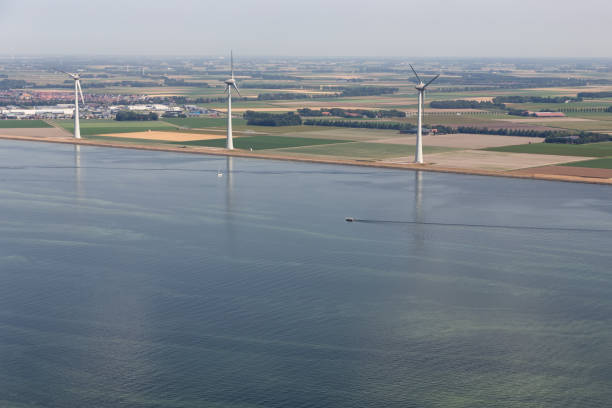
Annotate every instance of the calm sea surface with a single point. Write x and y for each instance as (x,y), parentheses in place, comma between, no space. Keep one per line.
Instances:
(143,279)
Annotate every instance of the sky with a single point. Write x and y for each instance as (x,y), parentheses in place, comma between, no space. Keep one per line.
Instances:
(327,28)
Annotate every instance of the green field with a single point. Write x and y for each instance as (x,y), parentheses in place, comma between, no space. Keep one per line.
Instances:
(605,163)
(200,123)
(603,149)
(100,127)
(262,142)
(12,124)
(364,150)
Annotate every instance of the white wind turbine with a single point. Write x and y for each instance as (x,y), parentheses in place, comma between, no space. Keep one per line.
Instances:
(418,158)
(229,83)
(77,91)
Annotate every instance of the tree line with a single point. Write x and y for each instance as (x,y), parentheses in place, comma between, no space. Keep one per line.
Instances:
(272,119)
(6,84)
(131,115)
(535,99)
(595,95)
(550,136)
(349,113)
(466,104)
(363,124)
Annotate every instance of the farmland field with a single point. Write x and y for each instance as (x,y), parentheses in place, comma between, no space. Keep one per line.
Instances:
(603,149)
(363,150)
(199,123)
(604,163)
(98,127)
(262,142)
(14,124)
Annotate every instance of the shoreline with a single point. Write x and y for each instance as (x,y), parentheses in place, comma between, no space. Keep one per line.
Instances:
(215,151)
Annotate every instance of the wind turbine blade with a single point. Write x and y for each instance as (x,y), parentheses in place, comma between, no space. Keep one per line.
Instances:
(236,88)
(232,62)
(433,79)
(415,74)
(64,72)
(80,91)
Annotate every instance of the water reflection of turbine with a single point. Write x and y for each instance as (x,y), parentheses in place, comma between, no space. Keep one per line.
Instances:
(229,167)
(229,211)
(77,172)
(418,208)
(418,196)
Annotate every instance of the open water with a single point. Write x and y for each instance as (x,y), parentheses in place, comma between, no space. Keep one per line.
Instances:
(145,279)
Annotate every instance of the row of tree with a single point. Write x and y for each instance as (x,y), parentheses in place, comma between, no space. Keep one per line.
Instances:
(131,115)
(14,84)
(535,99)
(350,113)
(182,82)
(272,119)
(466,104)
(595,95)
(550,136)
(359,124)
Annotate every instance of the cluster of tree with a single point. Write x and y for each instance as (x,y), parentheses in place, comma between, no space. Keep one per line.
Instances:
(358,124)
(339,91)
(512,82)
(580,138)
(183,100)
(182,82)
(14,84)
(499,131)
(583,109)
(282,96)
(595,95)
(174,115)
(272,119)
(463,88)
(349,113)
(518,112)
(130,115)
(466,104)
(69,83)
(549,136)
(366,90)
(535,99)
(273,77)
(264,85)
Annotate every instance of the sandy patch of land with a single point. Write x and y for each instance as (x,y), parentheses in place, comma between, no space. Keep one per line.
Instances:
(166,136)
(463,140)
(568,171)
(35,132)
(485,160)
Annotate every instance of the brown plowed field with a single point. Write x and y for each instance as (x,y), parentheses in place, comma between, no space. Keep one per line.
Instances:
(568,171)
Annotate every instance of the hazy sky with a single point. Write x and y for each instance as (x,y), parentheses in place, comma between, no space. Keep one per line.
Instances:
(407,28)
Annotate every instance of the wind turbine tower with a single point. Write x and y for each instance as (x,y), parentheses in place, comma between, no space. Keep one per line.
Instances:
(419,142)
(229,84)
(77,91)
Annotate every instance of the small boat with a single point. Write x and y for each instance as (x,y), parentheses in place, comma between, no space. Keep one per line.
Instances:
(219,174)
